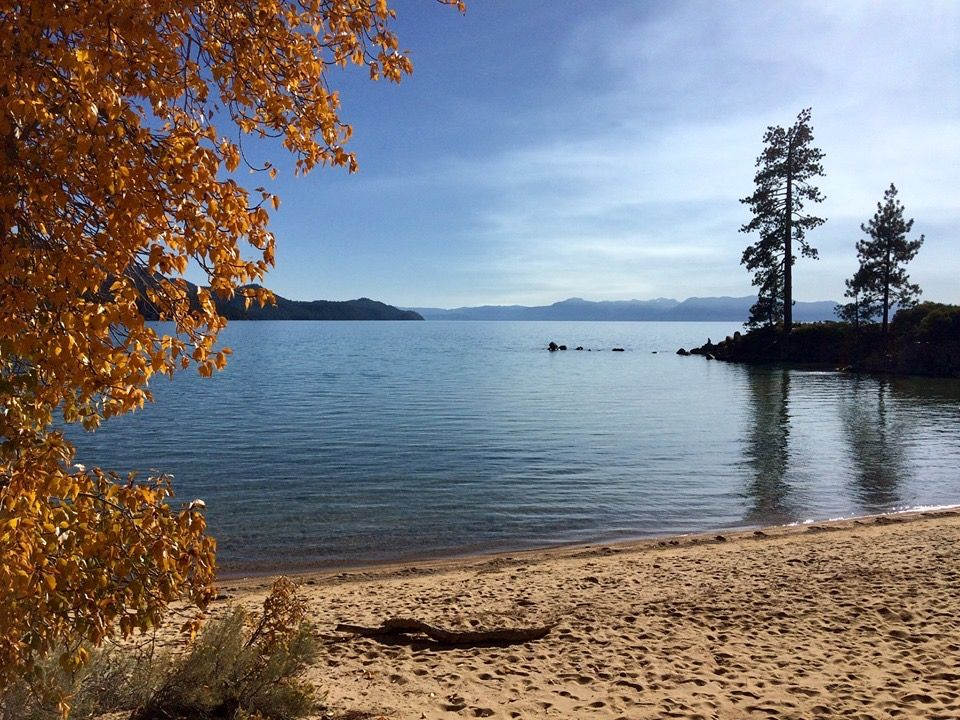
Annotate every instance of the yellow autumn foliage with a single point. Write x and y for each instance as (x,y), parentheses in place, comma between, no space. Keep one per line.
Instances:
(121,126)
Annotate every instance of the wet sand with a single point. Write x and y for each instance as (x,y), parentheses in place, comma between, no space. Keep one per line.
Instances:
(855,619)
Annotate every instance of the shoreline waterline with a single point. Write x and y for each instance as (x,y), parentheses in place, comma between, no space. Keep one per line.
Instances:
(437,563)
(856,617)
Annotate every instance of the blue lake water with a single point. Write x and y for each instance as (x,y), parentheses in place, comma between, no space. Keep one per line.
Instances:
(338,443)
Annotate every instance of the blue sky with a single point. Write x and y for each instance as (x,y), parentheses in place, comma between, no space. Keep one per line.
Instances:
(553,148)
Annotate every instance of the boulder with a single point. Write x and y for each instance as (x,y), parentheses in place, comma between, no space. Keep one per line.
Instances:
(683,352)
(618,350)
(553,347)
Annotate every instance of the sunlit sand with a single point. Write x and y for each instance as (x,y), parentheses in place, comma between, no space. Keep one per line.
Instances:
(857,618)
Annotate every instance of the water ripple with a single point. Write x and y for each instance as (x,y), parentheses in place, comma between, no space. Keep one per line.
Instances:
(330,443)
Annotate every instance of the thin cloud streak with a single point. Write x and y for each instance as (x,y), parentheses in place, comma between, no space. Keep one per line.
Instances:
(613,167)
(650,185)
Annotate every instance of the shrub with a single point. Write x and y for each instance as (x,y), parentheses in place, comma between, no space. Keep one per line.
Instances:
(941,325)
(112,681)
(238,670)
(241,667)
(927,322)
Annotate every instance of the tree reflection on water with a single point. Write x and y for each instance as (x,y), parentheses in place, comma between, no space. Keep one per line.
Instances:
(870,424)
(768,447)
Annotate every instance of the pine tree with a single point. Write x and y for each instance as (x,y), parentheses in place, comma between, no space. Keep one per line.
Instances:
(767,311)
(786,167)
(863,308)
(882,277)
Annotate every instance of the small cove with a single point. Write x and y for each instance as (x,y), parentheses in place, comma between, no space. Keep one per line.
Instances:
(326,444)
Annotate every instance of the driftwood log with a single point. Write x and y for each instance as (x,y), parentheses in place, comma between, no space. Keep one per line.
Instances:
(443,636)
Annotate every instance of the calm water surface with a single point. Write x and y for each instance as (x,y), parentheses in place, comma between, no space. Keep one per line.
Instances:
(332,443)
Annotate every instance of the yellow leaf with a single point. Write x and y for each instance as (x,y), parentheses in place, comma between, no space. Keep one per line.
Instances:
(122,183)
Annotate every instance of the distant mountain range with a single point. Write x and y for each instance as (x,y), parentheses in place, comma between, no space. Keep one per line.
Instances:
(285,309)
(727,309)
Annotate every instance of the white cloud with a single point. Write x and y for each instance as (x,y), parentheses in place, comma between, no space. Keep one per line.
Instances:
(650,201)
(606,157)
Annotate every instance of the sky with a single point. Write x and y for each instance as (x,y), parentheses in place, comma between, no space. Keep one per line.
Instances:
(546,149)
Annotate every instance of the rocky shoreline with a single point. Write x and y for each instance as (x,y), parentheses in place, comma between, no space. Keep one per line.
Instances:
(924,341)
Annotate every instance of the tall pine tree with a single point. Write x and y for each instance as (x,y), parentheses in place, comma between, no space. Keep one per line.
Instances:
(785,168)
(882,279)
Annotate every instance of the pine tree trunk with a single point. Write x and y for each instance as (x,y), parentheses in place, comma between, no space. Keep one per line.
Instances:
(788,255)
(886,292)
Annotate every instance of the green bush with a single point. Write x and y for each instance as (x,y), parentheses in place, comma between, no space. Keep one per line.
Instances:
(241,667)
(224,676)
(113,681)
(928,322)
(236,672)
(941,325)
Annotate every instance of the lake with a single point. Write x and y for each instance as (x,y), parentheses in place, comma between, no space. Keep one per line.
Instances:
(328,444)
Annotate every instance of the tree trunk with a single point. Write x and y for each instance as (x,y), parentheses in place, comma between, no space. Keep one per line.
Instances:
(886,292)
(788,254)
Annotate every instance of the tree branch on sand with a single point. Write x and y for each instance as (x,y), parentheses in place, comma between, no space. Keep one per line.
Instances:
(445,637)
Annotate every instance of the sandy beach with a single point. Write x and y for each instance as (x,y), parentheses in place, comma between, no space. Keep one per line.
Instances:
(857,619)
